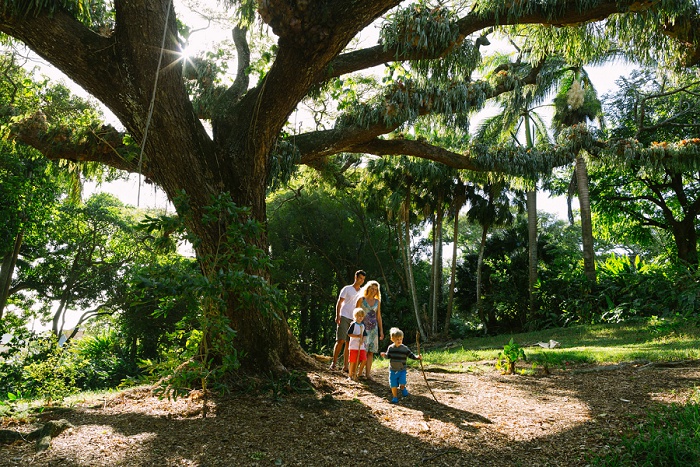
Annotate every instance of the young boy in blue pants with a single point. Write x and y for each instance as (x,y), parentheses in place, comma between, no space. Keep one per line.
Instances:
(398,354)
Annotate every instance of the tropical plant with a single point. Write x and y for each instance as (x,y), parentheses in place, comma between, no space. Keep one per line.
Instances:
(509,356)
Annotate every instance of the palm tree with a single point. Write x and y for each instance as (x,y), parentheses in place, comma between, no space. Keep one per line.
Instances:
(518,112)
(576,102)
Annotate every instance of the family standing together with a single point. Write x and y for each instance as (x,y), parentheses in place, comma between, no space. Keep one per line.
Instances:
(359,330)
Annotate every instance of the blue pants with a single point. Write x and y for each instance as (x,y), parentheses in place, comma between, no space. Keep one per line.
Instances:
(397,378)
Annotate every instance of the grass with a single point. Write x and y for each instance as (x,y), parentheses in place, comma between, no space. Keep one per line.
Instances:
(653,340)
(670,436)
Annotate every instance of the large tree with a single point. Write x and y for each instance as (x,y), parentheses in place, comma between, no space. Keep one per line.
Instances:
(577,102)
(653,108)
(118,62)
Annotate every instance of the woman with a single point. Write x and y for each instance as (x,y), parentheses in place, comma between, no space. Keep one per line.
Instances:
(370,301)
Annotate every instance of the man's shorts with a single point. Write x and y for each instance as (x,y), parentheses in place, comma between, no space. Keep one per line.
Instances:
(353,356)
(341,331)
(372,340)
(397,378)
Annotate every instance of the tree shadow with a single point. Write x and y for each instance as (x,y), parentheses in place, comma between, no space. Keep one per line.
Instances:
(430,407)
(485,420)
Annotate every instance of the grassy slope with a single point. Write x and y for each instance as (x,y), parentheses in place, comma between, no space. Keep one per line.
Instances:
(656,340)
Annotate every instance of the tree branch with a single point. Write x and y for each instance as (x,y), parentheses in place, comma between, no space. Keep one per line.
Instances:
(571,14)
(90,314)
(318,144)
(240,85)
(104,144)
(78,49)
(668,121)
(421,149)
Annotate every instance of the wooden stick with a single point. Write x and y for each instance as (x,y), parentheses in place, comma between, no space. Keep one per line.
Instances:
(421,366)
(359,350)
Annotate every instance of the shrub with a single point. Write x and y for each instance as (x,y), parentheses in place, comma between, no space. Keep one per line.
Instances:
(101,362)
(509,356)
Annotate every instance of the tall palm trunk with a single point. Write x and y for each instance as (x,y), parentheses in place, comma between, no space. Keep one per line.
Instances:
(586,223)
(479,264)
(532,247)
(437,266)
(408,262)
(531,229)
(458,203)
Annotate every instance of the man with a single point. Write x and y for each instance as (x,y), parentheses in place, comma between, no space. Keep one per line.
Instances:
(343,317)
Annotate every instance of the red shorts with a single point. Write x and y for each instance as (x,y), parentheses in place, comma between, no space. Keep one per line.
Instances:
(352,358)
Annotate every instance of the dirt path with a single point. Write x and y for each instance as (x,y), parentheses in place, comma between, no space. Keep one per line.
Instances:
(481,418)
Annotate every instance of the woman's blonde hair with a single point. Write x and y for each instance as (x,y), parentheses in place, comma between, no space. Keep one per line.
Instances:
(365,290)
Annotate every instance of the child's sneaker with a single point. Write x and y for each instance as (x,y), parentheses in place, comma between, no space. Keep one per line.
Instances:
(395,400)
(404,392)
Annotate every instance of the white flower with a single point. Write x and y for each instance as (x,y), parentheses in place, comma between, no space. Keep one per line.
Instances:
(575,95)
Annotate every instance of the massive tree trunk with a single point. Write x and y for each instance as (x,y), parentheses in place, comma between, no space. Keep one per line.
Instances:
(178,155)
(7,268)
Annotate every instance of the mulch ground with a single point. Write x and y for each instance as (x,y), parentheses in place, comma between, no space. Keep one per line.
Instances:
(481,418)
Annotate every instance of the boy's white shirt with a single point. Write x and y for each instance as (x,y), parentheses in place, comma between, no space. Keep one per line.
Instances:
(354,343)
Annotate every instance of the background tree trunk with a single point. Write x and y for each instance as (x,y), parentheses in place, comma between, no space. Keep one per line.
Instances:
(479,265)
(531,227)
(408,261)
(437,266)
(586,223)
(459,202)
(686,238)
(532,247)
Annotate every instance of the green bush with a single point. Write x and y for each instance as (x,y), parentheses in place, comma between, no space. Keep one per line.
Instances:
(52,376)
(100,362)
(509,356)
